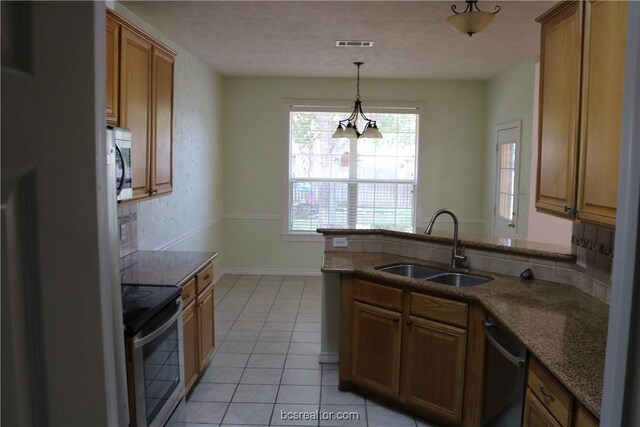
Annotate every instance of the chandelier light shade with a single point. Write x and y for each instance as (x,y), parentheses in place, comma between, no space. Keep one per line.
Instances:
(348,128)
(472,20)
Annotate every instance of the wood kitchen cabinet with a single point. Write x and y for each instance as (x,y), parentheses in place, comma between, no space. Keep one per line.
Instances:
(198,329)
(406,347)
(376,348)
(140,97)
(549,404)
(113,69)
(581,87)
(434,366)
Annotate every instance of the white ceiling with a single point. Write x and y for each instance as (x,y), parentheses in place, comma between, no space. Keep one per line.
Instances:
(297,38)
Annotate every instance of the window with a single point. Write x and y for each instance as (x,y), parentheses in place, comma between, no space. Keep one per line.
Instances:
(365,183)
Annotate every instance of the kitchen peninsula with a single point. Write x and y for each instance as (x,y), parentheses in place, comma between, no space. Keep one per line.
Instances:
(563,327)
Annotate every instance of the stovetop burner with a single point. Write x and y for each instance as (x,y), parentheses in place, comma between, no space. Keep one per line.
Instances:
(141,303)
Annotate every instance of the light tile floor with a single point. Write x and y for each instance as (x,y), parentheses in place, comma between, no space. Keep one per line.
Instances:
(266,361)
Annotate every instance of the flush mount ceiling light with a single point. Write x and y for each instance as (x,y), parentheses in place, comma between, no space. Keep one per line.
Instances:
(471,21)
(348,128)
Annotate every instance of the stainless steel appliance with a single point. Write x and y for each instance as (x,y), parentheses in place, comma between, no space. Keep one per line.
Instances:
(504,377)
(153,328)
(121,138)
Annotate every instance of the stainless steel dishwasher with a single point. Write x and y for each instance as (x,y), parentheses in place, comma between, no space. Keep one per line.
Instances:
(504,373)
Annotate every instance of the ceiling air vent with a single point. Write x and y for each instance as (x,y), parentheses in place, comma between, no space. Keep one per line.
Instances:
(354,43)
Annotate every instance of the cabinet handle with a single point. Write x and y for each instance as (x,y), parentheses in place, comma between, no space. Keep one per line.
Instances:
(568,208)
(154,191)
(396,320)
(409,322)
(545,393)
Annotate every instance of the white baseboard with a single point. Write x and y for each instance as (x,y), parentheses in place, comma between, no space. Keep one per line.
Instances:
(262,272)
(329,357)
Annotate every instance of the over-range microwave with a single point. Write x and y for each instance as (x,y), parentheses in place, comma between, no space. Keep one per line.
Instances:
(121,140)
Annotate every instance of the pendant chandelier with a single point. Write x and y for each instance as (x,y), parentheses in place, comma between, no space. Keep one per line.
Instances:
(348,128)
(471,21)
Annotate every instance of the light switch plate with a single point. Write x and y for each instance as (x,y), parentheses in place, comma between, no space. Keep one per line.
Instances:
(123,232)
(340,242)
(581,260)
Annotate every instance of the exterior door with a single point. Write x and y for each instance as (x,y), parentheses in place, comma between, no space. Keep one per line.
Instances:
(507,177)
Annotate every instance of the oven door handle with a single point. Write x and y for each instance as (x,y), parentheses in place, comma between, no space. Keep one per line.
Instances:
(516,360)
(139,342)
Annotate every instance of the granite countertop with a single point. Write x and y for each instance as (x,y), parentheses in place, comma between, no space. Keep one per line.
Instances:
(563,327)
(499,244)
(168,268)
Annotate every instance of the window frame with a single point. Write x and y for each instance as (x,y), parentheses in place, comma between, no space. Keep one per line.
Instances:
(346,106)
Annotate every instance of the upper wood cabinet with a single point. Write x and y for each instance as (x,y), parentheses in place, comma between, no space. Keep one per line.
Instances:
(560,60)
(135,106)
(140,97)
(113,69)
(602,97)
(581,86)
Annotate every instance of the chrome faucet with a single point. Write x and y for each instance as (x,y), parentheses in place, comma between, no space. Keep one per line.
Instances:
(455,256)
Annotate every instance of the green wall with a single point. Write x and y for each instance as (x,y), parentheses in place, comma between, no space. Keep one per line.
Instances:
(451,167)
(510,98)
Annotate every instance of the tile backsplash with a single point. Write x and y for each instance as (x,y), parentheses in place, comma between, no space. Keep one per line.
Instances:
(128,222)
(594,245)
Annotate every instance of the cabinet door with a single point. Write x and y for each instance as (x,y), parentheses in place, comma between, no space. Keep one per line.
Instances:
(376,348)
(535,415)
(602,97)
(161,163)
(190,343)
(205,326)
(113,66)
(585,419)
(560,61)
(135,105)
(433,368)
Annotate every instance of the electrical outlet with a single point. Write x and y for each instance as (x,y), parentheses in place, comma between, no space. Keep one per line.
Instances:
(123,232)
(340,242)
(581,256)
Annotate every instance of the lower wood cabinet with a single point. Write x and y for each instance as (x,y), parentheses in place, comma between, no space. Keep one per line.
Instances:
(433,366)
(190,342)
(376,348)
(205,326)
(549,404)
(405,347)
(197,325)
(535,414)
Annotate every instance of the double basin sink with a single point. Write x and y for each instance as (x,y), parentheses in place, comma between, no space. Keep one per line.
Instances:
(437,275)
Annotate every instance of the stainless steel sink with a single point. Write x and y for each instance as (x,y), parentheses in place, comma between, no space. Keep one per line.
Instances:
(411,270)
(459,279)
(437,275)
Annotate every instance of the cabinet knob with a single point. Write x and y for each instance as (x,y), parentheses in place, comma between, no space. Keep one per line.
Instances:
(567,208)
(409,322)
(396,320)
(186,296)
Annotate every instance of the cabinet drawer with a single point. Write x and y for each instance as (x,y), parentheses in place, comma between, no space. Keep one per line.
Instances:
(188,292)
(441,310)
(380,295)
(553,395)
(204,278)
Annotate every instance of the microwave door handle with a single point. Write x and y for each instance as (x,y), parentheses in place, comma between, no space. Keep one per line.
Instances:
(516,360)
(124,170)
(139,342)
